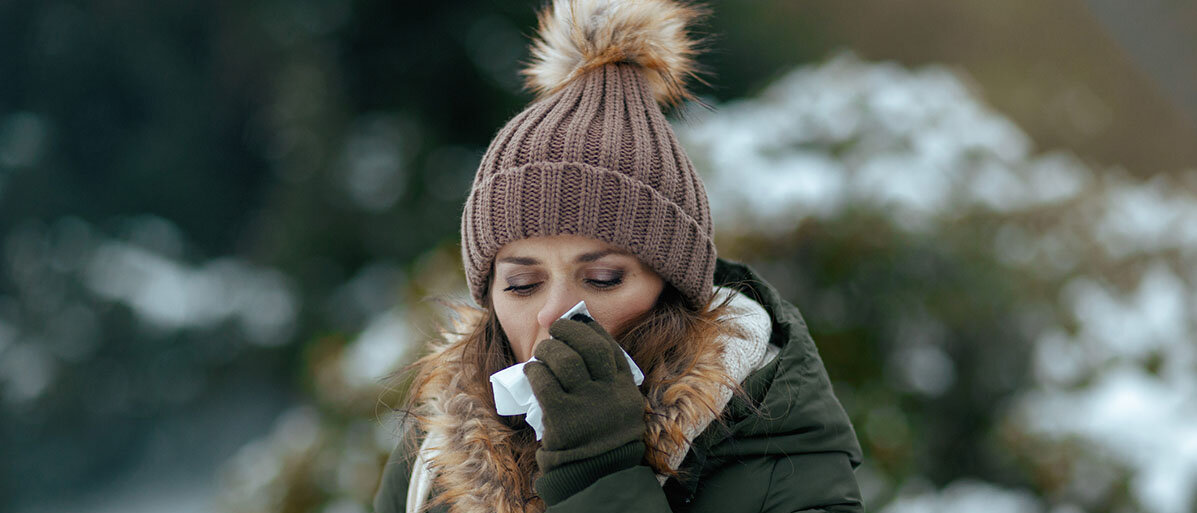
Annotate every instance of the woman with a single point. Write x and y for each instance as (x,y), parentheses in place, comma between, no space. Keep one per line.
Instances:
(586,196)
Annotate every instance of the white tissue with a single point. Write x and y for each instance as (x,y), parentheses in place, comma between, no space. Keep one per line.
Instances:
(513,392)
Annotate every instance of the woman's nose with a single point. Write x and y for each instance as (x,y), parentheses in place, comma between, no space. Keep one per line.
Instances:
(557,302)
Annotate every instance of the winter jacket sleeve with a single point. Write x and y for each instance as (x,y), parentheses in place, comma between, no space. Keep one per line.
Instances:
(794,488)
(633,490)
(818,482)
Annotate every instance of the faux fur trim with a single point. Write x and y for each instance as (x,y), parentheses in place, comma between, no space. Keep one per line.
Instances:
(576,36)
(466,453)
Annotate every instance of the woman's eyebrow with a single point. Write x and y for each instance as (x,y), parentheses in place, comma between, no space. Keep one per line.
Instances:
(584,257)
(520,260)
(595,255)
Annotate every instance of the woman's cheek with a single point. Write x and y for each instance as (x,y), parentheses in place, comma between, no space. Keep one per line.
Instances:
(518,334)
(527,343)
(610,321)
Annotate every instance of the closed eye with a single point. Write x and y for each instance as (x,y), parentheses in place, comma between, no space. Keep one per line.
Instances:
(527,290)
(521,290)
(604,284)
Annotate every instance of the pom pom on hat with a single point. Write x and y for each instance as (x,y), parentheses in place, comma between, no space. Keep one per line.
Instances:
(576,36)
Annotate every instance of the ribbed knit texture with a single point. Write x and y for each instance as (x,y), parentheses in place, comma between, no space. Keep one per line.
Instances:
(596,159)
(562,482)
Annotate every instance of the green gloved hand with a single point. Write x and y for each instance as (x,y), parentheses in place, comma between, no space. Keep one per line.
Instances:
(593,411)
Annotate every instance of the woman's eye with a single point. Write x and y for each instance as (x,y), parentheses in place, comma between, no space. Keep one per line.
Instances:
(605,284)
(521,290)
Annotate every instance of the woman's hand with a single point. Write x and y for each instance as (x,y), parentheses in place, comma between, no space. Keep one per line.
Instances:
(593,411)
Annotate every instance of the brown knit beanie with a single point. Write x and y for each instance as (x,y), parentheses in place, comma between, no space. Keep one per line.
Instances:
(594,155)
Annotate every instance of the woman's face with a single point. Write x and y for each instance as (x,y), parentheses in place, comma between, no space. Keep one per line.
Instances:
(537,280)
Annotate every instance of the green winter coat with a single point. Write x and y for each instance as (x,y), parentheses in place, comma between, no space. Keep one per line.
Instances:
(795,453)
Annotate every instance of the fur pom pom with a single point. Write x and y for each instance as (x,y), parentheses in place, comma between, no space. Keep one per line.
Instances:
(576,36)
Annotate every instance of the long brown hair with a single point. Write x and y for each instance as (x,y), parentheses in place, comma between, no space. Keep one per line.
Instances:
(671,343)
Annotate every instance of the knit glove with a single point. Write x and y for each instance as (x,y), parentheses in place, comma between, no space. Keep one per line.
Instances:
(593,411)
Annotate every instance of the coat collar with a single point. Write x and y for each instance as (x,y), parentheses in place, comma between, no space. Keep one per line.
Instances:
(788,405)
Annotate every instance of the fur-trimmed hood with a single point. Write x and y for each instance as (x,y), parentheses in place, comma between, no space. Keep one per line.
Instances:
(461,456)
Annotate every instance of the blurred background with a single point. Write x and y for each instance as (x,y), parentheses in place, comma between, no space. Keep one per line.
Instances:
(221,224)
